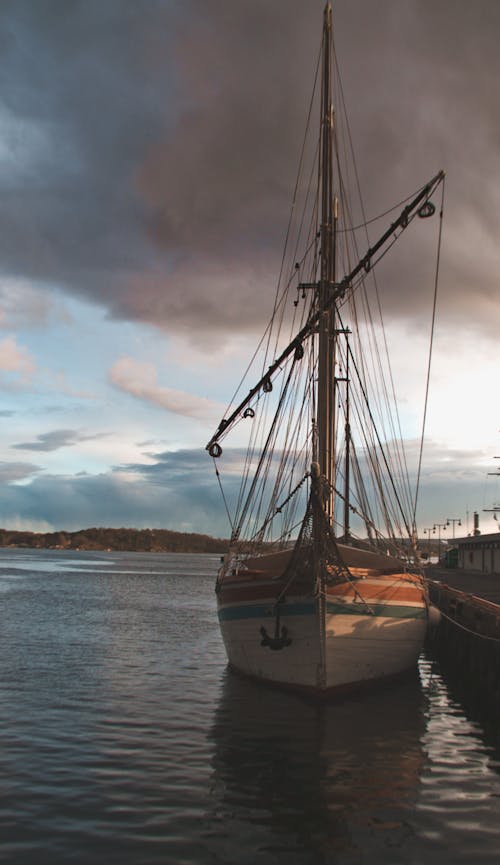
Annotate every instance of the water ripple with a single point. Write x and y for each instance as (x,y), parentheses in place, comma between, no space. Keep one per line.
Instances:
(125,740)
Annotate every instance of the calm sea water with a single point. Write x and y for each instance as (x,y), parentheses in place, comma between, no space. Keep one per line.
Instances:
(123,739)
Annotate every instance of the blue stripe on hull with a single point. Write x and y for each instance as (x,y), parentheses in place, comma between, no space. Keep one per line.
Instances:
(261,611)
(305,608)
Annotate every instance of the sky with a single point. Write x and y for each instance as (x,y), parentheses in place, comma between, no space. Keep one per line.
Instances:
(148,151)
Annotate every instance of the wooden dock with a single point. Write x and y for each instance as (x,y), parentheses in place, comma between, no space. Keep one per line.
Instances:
(467,639)
(475,583)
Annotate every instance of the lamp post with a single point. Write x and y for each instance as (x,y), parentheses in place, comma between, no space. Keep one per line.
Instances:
(428,533)
(439,526)
(453,520)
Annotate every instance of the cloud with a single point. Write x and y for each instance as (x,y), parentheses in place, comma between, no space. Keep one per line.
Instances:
(16,364)
(151,148)
(179,490)
(73,502)
(21,305)
(11,472)
(139,379)
(56,439)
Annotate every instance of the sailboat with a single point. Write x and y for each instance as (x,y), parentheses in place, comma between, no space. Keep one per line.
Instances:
(320,589)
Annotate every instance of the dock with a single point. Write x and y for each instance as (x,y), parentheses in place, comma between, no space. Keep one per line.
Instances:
(467,639)
(475,583)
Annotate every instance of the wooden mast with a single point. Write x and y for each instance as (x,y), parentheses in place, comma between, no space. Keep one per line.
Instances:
(326,349)
(326,324)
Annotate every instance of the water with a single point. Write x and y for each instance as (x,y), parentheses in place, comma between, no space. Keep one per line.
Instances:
(123,739)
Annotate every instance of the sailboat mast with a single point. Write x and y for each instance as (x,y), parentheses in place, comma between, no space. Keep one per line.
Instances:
(326,325)
(347,444)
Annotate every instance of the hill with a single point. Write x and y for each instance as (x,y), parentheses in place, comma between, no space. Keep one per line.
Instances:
(129,540)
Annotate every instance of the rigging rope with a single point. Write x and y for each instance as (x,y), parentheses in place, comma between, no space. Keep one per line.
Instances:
(277,474)
(469,630)
(265,451)
(367,222)
(223,496)
(436,280)
(382,451)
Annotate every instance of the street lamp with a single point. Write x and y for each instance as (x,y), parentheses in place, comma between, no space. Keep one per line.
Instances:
(453,520)
(428,533)
(439,526)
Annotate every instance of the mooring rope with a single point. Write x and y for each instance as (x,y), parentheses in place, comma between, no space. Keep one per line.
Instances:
(469,630)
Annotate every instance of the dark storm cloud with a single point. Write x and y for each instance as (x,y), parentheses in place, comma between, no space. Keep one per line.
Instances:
(187,477)
(170,466)
(151,147)
(179,491)
(82,96)
(74,502)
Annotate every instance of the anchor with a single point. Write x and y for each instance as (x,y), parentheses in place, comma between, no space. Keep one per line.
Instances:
(280,639)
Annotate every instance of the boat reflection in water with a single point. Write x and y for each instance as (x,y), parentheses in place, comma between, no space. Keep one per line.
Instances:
(315,780)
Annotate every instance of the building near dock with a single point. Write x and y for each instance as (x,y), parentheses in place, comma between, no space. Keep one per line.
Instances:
(479,553)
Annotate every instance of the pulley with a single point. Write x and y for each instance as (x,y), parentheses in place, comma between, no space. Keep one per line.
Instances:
(215,450)
(426,210)
(249,412)
(267,385)
(299,352)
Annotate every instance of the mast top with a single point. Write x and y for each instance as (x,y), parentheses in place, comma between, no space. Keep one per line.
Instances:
(328,16)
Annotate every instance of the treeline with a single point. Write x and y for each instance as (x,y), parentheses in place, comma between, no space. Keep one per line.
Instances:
(127,540)
(137,540)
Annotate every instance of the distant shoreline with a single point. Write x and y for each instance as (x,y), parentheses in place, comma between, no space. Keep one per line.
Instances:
(127,540)
(115,540)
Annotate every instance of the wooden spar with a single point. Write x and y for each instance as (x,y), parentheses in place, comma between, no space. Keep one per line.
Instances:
(326,313)
(337,291)
(326,342)
(347,463)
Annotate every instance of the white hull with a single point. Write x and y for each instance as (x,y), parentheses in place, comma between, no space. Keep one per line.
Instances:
(373,642)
